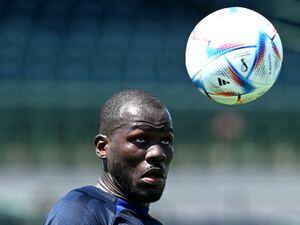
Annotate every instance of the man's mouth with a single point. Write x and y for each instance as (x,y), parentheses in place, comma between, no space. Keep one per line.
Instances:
(154,176)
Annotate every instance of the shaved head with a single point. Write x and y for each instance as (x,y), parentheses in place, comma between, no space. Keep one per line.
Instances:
(128,106)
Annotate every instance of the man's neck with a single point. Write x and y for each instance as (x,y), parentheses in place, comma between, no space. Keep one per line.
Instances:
(107,184)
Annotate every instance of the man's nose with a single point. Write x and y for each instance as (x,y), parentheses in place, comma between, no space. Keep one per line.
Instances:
(155,154)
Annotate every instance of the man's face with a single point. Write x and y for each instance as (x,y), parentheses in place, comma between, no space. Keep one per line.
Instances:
(140,151)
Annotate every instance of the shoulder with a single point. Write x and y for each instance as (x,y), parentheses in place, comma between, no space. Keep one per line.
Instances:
(87,205)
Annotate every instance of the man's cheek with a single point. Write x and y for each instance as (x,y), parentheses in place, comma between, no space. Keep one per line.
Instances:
(134,159)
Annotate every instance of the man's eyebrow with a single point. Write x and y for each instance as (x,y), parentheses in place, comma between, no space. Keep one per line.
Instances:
(164,127)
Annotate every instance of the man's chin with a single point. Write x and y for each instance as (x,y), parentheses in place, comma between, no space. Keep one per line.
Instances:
(140,192)
(147,197)
(148,194)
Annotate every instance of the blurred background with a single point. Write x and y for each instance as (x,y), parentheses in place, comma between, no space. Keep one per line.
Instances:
(61,59)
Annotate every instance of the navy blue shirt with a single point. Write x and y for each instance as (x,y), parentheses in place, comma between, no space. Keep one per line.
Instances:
(91,206)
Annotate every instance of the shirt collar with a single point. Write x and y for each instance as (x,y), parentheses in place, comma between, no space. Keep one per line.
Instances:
(121,204)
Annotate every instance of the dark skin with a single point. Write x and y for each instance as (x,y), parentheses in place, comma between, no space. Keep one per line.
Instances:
(136,155)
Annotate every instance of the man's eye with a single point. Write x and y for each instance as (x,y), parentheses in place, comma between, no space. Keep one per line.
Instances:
(165,141)
(140,140)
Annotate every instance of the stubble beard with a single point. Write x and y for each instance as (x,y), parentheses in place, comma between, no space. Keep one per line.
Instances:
(140,192)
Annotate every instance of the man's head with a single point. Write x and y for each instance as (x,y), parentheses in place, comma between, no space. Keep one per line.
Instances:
(136,144)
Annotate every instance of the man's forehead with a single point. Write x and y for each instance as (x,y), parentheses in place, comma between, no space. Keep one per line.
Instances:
(151,115)
(145,118)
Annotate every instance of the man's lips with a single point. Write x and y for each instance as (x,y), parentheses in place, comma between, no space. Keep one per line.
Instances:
(154,176)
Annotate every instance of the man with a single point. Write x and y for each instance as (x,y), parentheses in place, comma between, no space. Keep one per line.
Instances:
(135,143)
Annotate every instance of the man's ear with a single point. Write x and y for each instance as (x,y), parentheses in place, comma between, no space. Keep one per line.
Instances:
(101,142)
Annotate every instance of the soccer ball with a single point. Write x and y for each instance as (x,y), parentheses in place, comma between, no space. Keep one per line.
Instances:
(234,55)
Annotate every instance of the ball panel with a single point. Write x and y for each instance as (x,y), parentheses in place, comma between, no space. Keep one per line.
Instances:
(267,62)
(252,96)
(242,60)
(218,77)
(277,55)
(227,100)
(195,58)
